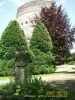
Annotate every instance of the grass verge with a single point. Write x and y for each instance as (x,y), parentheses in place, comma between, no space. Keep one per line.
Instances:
(6,78)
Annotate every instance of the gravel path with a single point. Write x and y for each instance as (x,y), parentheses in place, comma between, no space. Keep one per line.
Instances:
(58,77)
(65,81)
(62,77)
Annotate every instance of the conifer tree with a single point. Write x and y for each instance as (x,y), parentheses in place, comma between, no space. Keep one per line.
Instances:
(58,25)
(41,46)
(13,40)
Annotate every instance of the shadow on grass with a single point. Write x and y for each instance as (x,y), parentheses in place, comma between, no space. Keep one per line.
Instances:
(68,85)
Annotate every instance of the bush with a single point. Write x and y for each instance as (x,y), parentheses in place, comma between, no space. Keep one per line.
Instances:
(7,88)
(9,53)
(71,59)
(36,87)
(6,67)
(41,46)
(40,39)
(12,40)
(42,69)
(14,98)
(72,63)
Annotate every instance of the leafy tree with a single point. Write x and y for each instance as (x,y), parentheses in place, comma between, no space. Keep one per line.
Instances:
(13,40)
(41,46)
(58,25)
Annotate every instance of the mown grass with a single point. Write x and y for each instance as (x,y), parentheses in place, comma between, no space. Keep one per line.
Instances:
(12,77)
(54,74)
(41,75)
(6,78)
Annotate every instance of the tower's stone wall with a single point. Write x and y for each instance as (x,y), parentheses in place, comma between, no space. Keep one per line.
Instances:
(27,12)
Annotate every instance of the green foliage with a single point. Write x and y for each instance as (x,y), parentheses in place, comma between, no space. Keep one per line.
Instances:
(14,98)
(40,39)
(59,27)
(71,63)
(41,46)
(6,67)
(43,69)
(71,59)
(36,87)
(1,53)
(13,40)
(10,53)
(7,88)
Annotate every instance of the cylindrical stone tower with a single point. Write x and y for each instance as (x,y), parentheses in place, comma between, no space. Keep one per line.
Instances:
(27,12)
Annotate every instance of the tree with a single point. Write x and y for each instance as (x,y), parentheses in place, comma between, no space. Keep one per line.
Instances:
(13,40)
(41,46)
(58,25)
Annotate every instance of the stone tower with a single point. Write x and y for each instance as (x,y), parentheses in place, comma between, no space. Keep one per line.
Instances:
(27,12)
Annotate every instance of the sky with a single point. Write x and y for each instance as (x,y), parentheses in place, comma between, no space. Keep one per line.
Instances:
(8,10)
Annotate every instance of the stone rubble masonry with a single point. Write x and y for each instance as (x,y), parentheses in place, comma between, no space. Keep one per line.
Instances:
(26,14)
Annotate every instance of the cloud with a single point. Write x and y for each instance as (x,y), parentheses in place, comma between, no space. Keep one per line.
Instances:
(0,10)
(1,4)
(18,2)
(60,2)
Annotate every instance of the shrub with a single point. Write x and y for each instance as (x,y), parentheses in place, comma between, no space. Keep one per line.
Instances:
(13,40)
(7,88)
(9,53)
(43,69)
(36,87)
(41,46)
(6,67)
(72,63)
(71,59)
(40,39)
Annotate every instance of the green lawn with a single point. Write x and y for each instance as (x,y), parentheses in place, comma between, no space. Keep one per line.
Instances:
(10,77)
(41,75)
(48,74)
(54,74)
(6,78)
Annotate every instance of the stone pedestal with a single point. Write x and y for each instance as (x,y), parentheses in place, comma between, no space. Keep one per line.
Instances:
(20,77)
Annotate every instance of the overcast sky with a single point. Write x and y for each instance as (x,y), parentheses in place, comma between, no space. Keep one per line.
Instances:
(8,10)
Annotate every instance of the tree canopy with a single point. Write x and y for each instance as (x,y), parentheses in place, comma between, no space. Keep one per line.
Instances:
(58,25)
(41,46)
(13,40)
